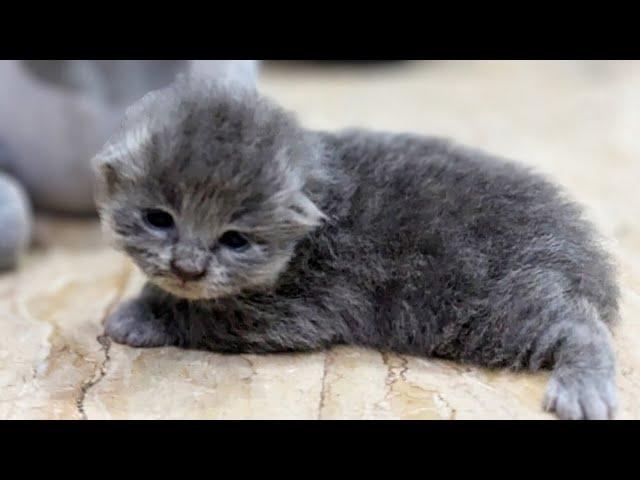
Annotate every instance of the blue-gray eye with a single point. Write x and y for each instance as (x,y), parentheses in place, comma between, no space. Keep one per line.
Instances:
(158,219)
(234,240)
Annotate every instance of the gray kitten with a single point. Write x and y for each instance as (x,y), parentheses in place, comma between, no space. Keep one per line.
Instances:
(260,236)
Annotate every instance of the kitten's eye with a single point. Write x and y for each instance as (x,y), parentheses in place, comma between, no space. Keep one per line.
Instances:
(234,240)
(158,219)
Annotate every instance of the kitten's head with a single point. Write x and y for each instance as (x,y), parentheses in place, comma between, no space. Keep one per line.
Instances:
(206,188)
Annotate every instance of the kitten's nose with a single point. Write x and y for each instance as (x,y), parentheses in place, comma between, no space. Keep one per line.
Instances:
(186,272)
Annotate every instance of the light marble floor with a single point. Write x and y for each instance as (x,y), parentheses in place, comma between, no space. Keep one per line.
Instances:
(577,121)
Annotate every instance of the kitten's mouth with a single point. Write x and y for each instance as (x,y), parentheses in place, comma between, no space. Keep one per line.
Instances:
(190,289)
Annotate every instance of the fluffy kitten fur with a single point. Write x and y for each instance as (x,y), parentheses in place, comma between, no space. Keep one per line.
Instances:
(397,242)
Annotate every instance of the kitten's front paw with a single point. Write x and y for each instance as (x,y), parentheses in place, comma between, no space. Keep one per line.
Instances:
(582,396)
(133,324)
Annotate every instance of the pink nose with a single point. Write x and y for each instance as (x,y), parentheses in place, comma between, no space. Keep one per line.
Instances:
(186,273)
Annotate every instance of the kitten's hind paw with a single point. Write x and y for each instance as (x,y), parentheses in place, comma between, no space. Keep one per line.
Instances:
(581,396)
(134,325)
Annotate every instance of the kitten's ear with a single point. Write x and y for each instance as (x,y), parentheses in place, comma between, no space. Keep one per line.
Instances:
(108,176)
(301,214)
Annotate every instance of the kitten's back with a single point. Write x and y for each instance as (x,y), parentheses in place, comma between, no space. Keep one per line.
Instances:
(461,207)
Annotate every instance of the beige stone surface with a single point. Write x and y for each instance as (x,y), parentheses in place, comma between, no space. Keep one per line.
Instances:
(579,122)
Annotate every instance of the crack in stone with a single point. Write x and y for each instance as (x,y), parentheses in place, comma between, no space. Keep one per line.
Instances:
(394,375)
(403,368)
(105,345)
(324,384)
(389,381)
(453,412)
(252,366)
